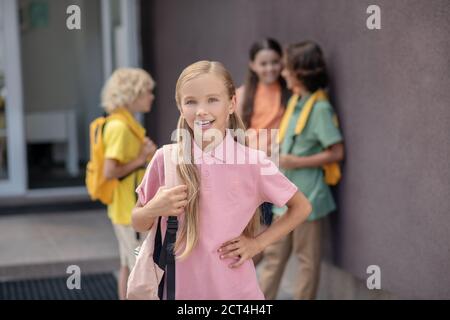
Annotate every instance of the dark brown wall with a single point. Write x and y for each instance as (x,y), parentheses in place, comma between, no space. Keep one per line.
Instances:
(392,91)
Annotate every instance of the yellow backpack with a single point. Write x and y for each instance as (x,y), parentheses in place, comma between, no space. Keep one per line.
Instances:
(98,187)
(332,170)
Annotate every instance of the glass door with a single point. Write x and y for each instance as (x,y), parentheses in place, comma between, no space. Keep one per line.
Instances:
(120,22)
(121,46)
(12,147)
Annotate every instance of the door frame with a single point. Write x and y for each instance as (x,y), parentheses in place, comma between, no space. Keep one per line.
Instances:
(130,20)
(16,183)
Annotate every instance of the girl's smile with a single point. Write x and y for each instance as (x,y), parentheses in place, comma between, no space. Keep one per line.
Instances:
(204,124)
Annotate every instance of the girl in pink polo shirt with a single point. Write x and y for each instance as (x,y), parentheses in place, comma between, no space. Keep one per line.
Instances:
(224,183)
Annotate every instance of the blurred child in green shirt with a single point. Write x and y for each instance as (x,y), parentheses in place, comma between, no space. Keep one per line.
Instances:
(309,140)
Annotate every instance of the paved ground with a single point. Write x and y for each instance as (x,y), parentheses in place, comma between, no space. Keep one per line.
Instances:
(40,245)
(44,245)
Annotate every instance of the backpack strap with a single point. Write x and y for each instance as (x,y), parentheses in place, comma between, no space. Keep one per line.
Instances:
(167,256)
(126,117)
(170,165)
(122,118)
(287,117)
(332,170)
(319,95)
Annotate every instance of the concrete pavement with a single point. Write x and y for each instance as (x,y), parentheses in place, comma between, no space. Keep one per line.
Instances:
(44,244)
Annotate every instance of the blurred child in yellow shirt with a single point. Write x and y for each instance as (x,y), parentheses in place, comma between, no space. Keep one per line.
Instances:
(127,150)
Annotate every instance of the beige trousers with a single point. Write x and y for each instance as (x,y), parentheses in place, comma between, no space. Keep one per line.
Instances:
(305,243)
(128,242)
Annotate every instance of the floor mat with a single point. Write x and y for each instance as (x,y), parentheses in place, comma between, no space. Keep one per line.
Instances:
(93,287)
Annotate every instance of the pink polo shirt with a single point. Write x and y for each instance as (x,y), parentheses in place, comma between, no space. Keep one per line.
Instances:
(230,192)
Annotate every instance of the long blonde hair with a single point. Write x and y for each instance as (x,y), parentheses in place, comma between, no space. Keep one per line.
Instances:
(188,233)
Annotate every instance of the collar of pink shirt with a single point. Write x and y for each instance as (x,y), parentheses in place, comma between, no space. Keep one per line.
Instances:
(223,153)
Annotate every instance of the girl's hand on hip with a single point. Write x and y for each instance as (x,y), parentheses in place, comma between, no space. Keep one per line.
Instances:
(242,249)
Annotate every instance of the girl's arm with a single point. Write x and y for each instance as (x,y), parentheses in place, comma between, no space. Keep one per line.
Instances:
(333,154)
(166,202)
(244,248)
(141,219)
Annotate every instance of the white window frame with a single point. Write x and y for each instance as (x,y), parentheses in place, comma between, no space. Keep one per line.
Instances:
(130,20)
(16,183)
(129,16)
